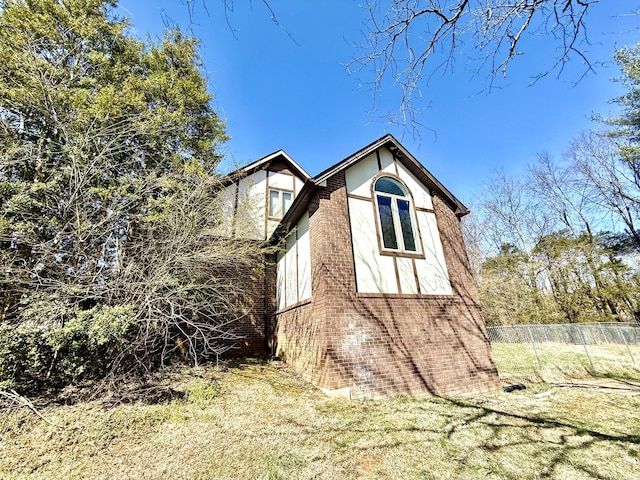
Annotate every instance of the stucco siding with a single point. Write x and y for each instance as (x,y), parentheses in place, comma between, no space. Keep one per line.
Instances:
(372,269)
(227,201)
(421,194)
(293,269)
(281,181)
(250,214)
(407,275)
(358,177)
(387,162)
(304,259)
(380,273)
(280,281)
(432,271)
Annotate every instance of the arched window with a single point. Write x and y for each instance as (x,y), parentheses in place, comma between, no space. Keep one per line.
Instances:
(395,216)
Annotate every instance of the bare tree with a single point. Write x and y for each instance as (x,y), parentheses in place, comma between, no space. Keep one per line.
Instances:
(407,41)
(566,196)
(191,283)
(611,180)
(471,232)
(508,214)
(111,245)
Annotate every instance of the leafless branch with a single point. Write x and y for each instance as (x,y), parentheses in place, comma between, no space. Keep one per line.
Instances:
(15,400)
(413,39)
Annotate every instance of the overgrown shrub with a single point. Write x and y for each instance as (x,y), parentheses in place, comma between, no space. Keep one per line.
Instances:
(54,344)
(111,256)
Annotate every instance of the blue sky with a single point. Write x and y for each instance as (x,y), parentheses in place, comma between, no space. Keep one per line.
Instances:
(297,95)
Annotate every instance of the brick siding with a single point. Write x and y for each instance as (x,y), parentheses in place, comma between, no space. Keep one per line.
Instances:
(255,308)
(380,345)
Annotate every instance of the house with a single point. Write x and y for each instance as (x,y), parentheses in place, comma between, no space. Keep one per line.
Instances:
(371,293)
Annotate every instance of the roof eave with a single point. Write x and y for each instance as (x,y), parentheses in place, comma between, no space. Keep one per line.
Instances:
(426,177)
(258,164)
(396,148)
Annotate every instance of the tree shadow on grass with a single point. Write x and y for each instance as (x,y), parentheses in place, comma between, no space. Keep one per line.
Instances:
(512,445)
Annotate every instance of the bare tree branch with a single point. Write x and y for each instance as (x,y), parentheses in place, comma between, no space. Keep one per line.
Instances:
(413,39)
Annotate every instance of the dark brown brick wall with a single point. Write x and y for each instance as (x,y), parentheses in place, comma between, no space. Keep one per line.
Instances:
(382,345)
(255,307)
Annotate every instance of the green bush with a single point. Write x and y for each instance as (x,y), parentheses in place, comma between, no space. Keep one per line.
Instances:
(57,344)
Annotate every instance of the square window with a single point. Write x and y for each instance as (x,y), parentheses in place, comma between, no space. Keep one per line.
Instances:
(279,203)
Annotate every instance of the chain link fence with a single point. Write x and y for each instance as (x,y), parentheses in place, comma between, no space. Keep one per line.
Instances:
(551,352)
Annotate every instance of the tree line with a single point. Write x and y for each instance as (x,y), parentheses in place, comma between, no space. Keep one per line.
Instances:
(561,243)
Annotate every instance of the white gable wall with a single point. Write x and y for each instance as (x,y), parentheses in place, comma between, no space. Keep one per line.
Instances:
(377,273)
(281,289)
(433,275)
(278,181)
(407,276)
(281,181)
(291,270)
(249,216)
(251,206)
(421,195)
(358,177)
(304,258)
(227,205)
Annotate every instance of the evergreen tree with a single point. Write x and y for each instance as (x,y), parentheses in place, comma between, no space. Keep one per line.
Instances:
(108,147)
(627,126)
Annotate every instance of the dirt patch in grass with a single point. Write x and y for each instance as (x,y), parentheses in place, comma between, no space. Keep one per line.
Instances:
(259,420)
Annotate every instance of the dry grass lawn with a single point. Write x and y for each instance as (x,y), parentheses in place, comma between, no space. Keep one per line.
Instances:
(558,360)
(260,421)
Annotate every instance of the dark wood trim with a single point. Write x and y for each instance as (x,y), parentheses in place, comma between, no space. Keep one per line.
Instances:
(392,253)
(415,275)
(376,220)
(395,268)
(294,306)
(282,172)
(359,197)
(415,296)
(425,210)
(408,160)
(378,158)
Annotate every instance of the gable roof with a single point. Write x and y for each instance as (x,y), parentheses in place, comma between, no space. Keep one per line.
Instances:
(279,155)
(389,142)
